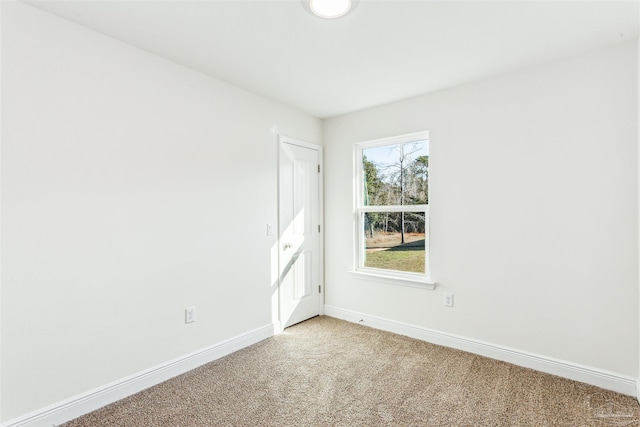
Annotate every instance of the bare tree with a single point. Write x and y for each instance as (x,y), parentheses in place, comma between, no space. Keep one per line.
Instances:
(397,172)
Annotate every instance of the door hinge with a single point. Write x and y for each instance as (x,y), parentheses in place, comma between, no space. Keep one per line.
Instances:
(318,168)
(319,289)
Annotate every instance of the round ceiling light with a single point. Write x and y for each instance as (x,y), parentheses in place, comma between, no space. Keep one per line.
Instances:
(330,9)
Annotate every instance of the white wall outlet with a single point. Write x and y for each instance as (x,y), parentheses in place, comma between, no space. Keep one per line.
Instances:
(189,315)
(448,300)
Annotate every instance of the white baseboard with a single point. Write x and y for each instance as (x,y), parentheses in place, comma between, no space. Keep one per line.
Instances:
(76,406)
(585,374)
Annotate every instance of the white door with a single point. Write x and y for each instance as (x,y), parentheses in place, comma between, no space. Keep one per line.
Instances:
(300,255)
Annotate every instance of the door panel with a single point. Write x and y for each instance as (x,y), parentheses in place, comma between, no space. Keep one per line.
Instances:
(303,275)
(299,219)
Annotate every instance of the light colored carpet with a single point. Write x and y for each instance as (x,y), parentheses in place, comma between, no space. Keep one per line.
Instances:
(327,372)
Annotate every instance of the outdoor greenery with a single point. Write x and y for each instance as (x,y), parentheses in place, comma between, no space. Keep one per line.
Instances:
(408,257)
(396,240)
(403,181)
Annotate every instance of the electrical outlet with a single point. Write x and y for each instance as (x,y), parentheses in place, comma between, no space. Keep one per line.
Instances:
(448,300)
(189,315)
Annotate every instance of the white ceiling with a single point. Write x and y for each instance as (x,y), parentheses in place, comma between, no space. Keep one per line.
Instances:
(381,52)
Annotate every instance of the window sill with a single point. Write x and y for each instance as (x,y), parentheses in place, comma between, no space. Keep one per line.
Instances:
(418,282)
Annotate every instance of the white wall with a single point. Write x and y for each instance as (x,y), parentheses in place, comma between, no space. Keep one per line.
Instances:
(534,211)
(132,187)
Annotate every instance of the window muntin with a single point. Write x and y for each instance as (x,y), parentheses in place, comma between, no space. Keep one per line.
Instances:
(392,207)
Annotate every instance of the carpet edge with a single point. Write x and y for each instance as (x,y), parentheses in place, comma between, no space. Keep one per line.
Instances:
(589,375)
(89,401)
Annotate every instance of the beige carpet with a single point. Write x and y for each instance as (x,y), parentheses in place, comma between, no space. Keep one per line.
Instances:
(327,372)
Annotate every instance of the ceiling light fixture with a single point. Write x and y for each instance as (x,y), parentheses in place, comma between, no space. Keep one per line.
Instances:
(329,9)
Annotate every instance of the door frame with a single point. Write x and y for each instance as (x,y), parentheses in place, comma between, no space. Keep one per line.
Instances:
(282,139)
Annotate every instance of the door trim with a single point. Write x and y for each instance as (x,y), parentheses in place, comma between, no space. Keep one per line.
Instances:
(293,141)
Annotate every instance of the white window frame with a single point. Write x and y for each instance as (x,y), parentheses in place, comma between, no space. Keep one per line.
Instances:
(421,280)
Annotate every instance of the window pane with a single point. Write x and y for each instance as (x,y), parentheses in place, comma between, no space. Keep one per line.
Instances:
(396,174)
(395,241)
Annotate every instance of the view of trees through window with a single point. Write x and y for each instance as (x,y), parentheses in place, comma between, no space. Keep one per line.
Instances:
(395,206)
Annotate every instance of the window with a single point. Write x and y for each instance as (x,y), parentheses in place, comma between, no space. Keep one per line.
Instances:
(392,209)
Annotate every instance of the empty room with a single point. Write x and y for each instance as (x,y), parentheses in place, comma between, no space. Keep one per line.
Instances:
(319,213)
